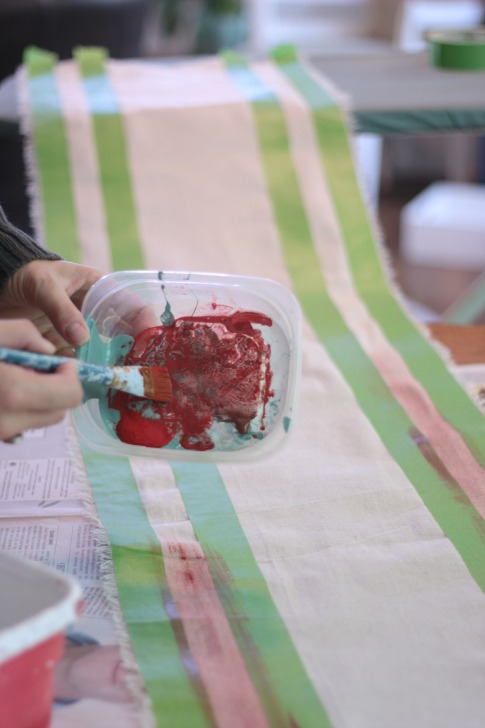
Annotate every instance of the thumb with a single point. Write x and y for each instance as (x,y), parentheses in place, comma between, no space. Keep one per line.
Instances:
(66,318)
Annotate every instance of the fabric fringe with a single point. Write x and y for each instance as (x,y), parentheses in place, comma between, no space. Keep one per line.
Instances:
(33,180)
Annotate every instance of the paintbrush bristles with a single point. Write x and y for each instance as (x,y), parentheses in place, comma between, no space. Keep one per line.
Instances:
(158,385)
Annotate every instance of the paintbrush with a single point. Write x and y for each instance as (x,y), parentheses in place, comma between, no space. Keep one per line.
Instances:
(150,382)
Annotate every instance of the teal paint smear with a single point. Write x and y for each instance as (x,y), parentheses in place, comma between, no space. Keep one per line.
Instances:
(369,277)
(110,352)
(52,156)
(106,352)
(286,693)
(115,175)
(167,318)
(451,508)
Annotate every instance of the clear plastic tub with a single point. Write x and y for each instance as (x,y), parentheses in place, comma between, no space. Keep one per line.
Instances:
(232,345)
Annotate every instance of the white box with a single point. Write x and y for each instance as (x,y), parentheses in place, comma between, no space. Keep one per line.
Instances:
(444,227)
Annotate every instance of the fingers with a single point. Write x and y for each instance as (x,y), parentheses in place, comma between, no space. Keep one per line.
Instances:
(52,298)
(134,321)
(31,399)
(61,346)
(57,288)
(140,319)
(40,391)
(22,334)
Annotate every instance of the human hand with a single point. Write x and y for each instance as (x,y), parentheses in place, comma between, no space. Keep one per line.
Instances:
(50,294)
(30,399)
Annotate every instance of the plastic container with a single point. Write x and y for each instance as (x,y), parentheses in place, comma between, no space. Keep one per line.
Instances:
(238,313)
(36,605)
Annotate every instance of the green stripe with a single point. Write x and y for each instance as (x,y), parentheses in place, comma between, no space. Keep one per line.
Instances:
(141,581)
(470,306)
(119,204)
(276,670)
(450,507)
(51,152)
(369,277)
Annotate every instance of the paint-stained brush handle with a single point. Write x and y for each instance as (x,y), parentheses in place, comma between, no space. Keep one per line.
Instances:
(149,382)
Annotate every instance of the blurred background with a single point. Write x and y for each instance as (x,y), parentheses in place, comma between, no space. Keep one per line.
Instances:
(398,168)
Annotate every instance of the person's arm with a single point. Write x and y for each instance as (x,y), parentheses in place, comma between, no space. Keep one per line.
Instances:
(16,249)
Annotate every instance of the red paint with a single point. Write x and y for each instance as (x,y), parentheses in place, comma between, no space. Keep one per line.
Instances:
(219,659)
(219,368)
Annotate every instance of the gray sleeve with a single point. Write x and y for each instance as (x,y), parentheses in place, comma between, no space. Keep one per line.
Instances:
(16,249)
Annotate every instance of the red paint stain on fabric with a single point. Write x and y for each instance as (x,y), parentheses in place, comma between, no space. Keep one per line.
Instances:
(436,463)
(219,368)
(233,698)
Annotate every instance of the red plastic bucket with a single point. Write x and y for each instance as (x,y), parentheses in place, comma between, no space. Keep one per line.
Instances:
(36,605)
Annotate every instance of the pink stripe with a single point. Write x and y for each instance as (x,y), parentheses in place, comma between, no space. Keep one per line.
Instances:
(233,699)
(446,442)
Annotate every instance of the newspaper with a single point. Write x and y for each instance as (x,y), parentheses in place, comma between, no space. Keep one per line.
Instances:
(42,517)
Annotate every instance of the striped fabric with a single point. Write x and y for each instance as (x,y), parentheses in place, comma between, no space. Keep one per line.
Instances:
(339,583)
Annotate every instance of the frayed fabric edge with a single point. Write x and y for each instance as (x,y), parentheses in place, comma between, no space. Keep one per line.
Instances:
(27,131)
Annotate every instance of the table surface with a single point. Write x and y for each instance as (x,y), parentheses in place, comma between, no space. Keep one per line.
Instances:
(396,92)
(465,343)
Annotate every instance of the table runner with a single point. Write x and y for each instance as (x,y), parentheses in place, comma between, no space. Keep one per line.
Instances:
(340,581)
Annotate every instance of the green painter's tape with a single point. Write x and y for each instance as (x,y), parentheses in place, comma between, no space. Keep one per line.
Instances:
(120,211)
(458,50)
(451,508)
(52,157)
(286,693)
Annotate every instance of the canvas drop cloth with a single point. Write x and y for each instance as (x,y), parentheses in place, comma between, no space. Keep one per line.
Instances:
(339,583)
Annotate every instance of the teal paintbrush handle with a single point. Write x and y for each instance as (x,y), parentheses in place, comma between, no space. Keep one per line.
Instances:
(92,373)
